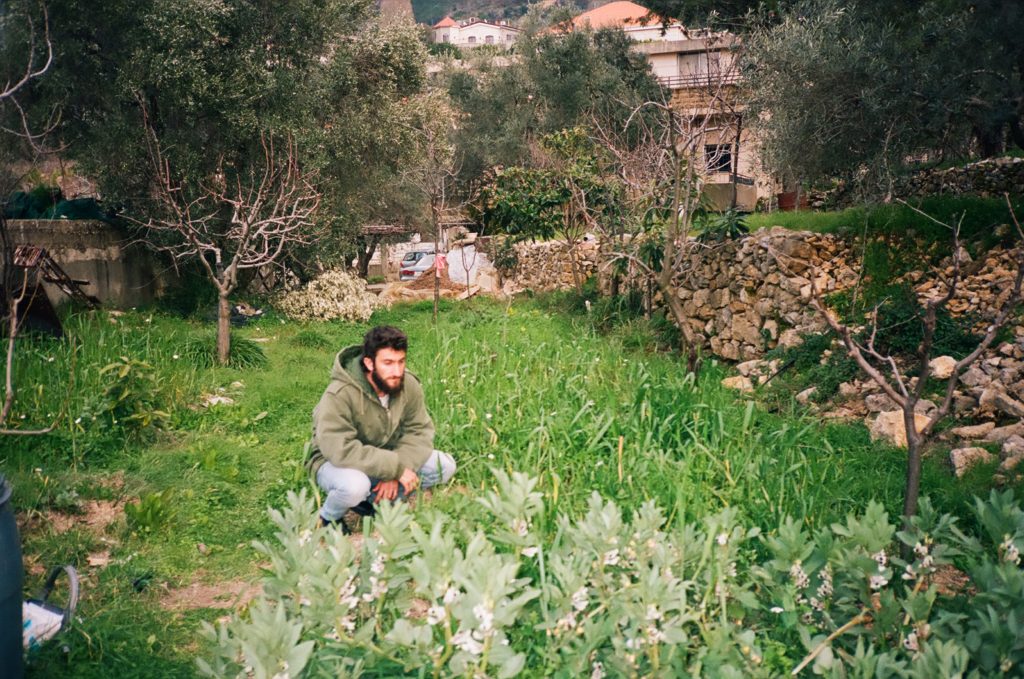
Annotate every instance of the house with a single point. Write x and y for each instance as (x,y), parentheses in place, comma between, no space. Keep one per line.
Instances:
(699,70)
(474,33)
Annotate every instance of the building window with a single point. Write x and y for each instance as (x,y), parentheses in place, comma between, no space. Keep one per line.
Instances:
(472,39)
(489,40)
(446,38)
(509,37)
(718,157)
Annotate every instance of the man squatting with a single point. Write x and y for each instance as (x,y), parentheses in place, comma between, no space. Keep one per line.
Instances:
(373,439)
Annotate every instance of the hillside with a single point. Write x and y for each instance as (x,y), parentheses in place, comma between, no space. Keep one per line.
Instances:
(431,11)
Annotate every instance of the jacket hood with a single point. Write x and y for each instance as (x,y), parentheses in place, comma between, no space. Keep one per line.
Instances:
(348,368)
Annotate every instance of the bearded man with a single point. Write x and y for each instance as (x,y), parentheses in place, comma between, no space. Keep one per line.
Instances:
(372,437)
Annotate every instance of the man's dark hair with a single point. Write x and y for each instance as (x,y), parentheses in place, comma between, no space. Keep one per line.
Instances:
(384,337)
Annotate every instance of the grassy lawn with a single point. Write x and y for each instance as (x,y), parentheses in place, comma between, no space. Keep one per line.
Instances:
(516,387)
(980,219)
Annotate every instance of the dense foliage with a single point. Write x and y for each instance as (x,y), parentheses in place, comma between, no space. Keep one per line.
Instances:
(602,595)
(853,89)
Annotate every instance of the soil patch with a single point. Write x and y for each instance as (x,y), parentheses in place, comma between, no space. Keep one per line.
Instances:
(230,594)
(95,516)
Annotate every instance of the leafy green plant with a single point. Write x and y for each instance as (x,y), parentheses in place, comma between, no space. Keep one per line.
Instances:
(715,227)
(312,339)
(152,511)
(131,399)
(201,350)
(607,595)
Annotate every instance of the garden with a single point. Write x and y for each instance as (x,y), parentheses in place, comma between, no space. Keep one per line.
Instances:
(612,515)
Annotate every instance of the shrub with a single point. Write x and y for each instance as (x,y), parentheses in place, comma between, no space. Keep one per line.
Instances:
(601,595)
(130,399)
(201,351)
(333,295)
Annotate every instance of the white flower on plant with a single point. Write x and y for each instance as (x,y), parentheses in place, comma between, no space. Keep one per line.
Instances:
(567,622)
(305,536)
(879,581)
(345,594)
(377,567)
(800,578)
(921,548)
(1009,550)
(347,623)
(436,614)
(816,604)
(825,588)
(465,641)
(722,539)
(653,613)
(634,644)
(598,670)
(655,635)
(377,588)
(488,415)
(881,558)
(777,609)
(450,595)
(520,527)
(531,551)
(484,613)
(909,573)
(580,599)
(910,643)
(729,571)
(611,557)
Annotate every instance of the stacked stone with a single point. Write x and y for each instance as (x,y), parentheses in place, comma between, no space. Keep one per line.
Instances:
(983,290)
(753,293)
(992,177)
(546,266)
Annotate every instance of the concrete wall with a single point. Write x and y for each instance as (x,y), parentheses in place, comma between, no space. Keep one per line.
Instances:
(119,274)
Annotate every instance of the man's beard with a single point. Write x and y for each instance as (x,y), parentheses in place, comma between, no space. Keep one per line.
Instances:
(382,385)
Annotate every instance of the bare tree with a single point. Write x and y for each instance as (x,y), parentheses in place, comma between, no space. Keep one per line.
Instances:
(237,219)
(19,282)
(904,381)
(434,168)
(665,166)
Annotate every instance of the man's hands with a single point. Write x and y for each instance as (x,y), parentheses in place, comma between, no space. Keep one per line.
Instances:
(388,490)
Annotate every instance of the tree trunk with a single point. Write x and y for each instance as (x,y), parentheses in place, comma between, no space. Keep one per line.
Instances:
(912,487)
(223,329)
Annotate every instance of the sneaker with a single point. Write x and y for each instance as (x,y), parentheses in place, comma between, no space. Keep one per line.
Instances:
(365,508)
(339,523)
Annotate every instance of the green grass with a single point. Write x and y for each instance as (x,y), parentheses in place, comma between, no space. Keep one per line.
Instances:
(518,387)
(981,217)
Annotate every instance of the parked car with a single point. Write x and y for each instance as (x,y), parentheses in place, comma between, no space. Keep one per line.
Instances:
(415,268)
(413,256)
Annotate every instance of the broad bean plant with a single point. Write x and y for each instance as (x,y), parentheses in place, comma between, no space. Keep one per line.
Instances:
(523,594)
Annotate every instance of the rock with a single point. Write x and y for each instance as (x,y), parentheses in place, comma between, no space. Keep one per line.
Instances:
(942,367)
(975,431)
(925,407)
(804,397)
(848,390)
(772,328)
(738,382)
(975,377)
(965,458)
(877,403)
(1000,434)
(889,426)
(1014,445)
(790,338)
(748,367)
(1009,405)
(1011,462)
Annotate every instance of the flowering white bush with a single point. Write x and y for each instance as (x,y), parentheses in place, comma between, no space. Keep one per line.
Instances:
(331,295)
(600,596)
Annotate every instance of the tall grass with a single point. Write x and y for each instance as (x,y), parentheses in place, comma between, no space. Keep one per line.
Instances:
(514,386)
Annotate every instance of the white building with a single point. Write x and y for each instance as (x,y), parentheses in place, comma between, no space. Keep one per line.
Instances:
(474,33)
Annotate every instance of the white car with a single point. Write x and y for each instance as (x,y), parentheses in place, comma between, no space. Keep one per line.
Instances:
(414,264)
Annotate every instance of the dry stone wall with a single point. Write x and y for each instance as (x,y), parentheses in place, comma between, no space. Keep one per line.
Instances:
(746,296)
(992,177)
(546,266)
(742,297)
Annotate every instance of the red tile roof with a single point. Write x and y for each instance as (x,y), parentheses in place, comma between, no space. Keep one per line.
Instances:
(445,23)
(615,14)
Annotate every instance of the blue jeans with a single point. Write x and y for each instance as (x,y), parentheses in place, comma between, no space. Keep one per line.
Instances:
(346,487)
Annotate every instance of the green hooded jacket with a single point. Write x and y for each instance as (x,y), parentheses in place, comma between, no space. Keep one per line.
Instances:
(352,429)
